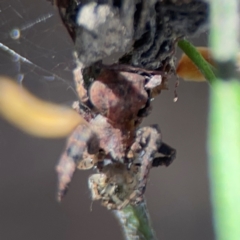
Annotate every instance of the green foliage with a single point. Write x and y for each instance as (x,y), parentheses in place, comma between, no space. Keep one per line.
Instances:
(224,117)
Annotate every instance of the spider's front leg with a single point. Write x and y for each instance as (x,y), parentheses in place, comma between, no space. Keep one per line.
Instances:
(83,141)
(148,143)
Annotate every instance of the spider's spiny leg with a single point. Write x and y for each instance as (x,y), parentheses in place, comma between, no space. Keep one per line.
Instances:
(83,139)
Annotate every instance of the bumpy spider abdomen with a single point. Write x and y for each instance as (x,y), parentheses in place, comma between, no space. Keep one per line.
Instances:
(118,95)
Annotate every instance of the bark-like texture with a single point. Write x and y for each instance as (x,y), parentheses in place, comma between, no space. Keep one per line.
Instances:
(144,31)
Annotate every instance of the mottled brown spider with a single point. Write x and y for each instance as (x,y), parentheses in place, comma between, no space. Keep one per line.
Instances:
(113,107)
(118,184)
(115,98)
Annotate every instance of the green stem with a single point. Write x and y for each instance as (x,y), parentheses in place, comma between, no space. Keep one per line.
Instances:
(224,158)
(205,68)
(135,222)
(224,121)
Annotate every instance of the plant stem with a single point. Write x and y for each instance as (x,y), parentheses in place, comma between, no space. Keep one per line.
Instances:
(205,68)
(135,222)
(224,121)
(224,158)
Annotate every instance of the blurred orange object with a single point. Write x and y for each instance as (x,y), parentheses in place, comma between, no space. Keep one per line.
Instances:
(35,116)
(187,70)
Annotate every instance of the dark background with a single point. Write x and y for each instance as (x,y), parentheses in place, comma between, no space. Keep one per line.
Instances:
(177,196)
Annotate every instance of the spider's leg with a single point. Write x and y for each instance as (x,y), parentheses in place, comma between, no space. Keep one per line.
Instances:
(79,81)
(169,155)
(83,139)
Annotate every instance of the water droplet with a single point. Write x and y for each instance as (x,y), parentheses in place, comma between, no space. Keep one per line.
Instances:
(15,33)
(20,77)
(15,58)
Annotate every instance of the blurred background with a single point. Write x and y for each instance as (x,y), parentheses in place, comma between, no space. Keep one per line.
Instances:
(36,51)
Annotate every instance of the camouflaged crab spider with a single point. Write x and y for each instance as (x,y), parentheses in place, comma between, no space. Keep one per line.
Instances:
(111,141)
(118,184)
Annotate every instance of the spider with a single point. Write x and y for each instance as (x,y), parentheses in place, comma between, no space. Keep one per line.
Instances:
(111,141)
(114,99)
(118,184)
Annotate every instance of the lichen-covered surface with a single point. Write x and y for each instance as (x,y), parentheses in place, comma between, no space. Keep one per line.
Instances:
(156,33)
(114,98)
(145,31)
